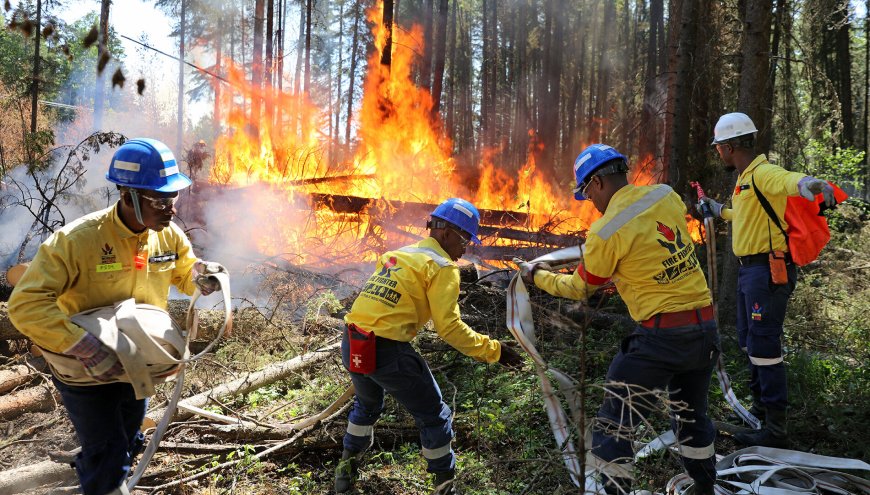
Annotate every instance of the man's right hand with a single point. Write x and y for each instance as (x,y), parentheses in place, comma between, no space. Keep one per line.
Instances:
(509,357)
(99,361)
(715,206)
(527,269)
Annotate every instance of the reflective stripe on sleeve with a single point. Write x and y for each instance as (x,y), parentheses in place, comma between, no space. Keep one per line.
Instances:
(360,430)
(633,210)
(757,361)
(436,453)
(704,452)
(431,253)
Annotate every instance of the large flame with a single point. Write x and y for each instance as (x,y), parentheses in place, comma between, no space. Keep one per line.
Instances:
(402,155)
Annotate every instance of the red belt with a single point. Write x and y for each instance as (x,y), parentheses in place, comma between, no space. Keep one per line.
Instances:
(679,318)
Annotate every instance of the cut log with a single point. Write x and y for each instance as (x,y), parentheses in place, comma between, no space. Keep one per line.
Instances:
(40,398)
(15,377)
(252,381)
(34,475)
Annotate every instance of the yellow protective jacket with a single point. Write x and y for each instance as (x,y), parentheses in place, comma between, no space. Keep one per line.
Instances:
(643,245)
(754,232)
(91,263)
(410,286)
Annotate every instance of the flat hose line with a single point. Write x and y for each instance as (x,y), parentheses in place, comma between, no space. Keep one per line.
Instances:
(778,467)
(192,326)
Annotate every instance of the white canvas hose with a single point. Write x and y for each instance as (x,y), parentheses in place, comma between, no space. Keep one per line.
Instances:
(521,325)
(755,470)
(192,326)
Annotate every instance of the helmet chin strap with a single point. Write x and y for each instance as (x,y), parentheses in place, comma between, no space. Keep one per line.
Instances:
(136,209)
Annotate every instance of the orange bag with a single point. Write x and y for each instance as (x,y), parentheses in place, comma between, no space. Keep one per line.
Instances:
(808,230)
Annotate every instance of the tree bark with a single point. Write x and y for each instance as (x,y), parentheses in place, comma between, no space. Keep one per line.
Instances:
(34,88)
(27,477)
(308,8)
(39,398)
(179,132)
(216,115)
(426,59)
(440,49)
(257,64)
(354,54)
(102,47)
(387,54)
(267,66)
(755,69)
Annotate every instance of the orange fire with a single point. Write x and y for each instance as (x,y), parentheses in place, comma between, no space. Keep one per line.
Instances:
(401,155)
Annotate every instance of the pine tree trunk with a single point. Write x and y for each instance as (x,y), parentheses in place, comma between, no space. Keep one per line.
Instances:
(257,64)
(426,59)
(99,90)
(387,54)
(440,50)
(268,90)
(354,54)
(308,21)
(754,74)
(216,115)
(182,22)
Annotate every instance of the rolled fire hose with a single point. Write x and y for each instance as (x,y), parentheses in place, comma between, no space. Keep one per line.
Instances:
(521,325)
(192,326)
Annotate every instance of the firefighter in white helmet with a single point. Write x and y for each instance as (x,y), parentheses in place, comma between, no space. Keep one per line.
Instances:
(642,244)
(410,286)
(129,250)
(764,282)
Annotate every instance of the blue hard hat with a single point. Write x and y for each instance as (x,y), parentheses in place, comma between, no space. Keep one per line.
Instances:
(146,164)
(591,159)
(460,213)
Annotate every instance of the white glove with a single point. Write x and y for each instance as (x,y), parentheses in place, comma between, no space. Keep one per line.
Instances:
(810,186)
(527,270)
(715,206)
(202,276)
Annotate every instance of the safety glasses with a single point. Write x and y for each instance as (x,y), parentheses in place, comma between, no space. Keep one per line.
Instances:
(463,236)
(160,204)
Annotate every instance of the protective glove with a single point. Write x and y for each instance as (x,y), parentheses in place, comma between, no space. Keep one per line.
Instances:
(527,269)
(715,206)
(99,361)
(203,272)
(509,358)
(810,186)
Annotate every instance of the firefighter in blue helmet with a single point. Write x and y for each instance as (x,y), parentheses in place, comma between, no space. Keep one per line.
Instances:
(642,244)
(410,286)
(762,298)
(129,250)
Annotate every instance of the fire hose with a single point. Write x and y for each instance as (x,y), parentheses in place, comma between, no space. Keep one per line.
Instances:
(713,282)
(755,470)
(192,327)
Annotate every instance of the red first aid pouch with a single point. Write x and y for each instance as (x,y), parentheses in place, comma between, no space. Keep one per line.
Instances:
(362,350)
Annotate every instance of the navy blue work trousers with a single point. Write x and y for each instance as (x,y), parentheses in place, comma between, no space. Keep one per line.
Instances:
(761,308)
(106,419)
(401,372)
(679,360)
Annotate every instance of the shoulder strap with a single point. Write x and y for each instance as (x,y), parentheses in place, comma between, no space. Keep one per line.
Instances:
(633,210)
(768,208)
(431,253)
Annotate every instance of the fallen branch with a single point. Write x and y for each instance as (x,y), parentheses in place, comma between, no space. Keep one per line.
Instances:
(15,377)
(251,381)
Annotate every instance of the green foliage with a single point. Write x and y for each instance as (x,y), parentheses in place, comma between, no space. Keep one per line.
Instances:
(842,165)
(323,300)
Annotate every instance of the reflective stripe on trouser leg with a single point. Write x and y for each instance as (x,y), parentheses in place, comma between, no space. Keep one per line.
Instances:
(765,308)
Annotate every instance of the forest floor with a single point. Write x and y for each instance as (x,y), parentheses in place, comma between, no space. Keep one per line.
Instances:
(503,440)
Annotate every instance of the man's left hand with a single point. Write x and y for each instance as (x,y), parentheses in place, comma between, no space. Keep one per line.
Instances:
(509,357)
(810,186)
(527,269)
(203,276)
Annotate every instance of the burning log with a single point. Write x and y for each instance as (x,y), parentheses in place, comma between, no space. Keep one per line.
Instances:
(541,237)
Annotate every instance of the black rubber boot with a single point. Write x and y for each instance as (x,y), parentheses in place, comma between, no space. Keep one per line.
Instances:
(444,484)
(774,433)
(702,489)
(346,471)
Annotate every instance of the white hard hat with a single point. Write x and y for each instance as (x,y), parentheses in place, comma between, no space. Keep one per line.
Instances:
(732,125)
